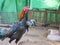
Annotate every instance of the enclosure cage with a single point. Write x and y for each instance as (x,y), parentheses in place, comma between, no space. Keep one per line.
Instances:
(9,12)
(46,16)
(8,18)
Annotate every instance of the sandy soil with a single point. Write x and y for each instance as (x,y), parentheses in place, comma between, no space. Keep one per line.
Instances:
(35,36)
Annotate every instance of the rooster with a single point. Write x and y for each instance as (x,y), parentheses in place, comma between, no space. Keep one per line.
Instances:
(31,22)
(45,25)
(18,28)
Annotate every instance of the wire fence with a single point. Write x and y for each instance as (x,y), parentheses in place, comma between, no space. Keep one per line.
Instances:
(44,16)
(8,18)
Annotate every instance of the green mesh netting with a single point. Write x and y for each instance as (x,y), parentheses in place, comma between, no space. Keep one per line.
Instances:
(46,4)
(42,4)
(9,10)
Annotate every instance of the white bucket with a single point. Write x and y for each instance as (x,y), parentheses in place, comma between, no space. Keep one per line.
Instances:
(54,35)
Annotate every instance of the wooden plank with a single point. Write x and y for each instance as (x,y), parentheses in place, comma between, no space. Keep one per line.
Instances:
(5,25)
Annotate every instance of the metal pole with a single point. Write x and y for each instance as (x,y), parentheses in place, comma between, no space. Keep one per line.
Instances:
(16,9)
(27,4)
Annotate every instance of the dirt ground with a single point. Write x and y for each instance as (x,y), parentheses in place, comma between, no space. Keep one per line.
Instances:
(35,36)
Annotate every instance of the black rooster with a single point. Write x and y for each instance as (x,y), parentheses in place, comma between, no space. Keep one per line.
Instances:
(18,28)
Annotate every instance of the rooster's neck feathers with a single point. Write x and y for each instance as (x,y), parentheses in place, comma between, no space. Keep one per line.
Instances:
(23,13)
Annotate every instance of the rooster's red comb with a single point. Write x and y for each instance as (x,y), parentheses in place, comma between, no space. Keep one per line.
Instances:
(27,8)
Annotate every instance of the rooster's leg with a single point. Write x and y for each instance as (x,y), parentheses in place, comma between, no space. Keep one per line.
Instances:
(10,41)
(16,41)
